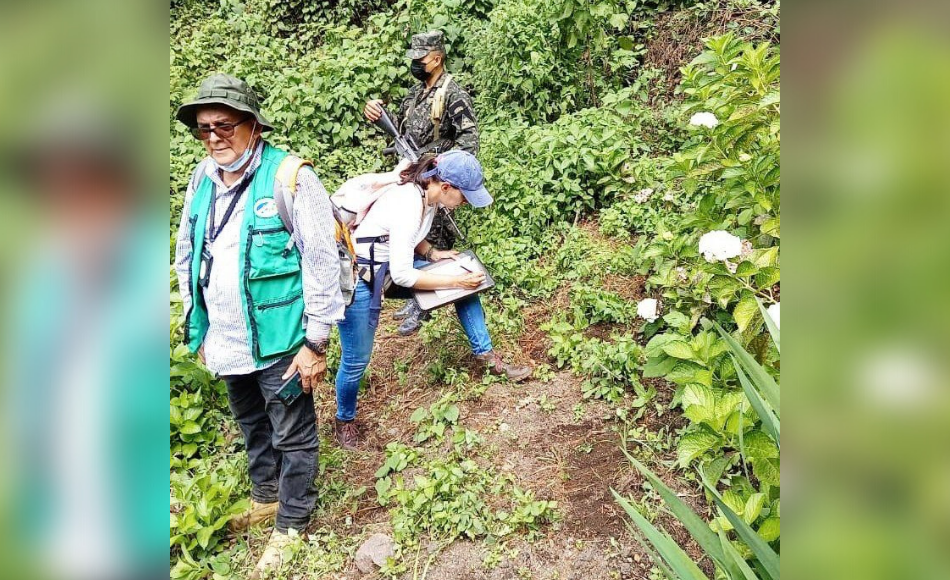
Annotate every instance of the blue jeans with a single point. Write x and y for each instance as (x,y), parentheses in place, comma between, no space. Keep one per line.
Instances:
(357,335)
(281,443)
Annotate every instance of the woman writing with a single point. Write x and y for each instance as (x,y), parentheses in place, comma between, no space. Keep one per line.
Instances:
(391,238)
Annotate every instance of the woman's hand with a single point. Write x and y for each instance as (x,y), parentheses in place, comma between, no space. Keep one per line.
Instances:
(470,281)
(443,255)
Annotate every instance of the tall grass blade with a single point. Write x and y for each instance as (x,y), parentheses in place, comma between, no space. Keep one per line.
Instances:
(697,527)
(771,423)
(741,567)
(678,560)
(763,552)
(760,378)
(770,324)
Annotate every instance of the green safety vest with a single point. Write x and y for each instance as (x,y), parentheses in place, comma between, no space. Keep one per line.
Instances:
(269,268)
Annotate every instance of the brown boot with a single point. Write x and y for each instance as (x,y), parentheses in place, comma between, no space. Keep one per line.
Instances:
(495,366)
(256,514)
(347,435)
(273,555)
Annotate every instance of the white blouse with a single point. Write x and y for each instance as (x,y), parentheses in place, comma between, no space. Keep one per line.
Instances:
(400,214)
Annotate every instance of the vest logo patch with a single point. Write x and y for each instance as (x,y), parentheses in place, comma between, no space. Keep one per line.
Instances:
(265,208)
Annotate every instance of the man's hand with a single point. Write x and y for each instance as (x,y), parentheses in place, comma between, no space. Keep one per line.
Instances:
(201,354)
(444,255)
(373,110)
(312,368)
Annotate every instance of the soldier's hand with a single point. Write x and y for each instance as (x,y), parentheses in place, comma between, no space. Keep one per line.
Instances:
(373,110)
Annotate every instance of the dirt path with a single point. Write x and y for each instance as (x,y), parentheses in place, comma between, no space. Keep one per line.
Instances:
(544,435)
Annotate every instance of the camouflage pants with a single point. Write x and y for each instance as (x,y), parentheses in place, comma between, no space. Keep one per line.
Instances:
(442,236)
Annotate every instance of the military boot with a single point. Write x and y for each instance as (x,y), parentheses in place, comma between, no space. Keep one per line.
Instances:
(414,321)
(273,555)
(256,514)
(495,366)
(407,309)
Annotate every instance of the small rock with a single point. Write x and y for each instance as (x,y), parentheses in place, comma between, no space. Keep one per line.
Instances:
(373,552)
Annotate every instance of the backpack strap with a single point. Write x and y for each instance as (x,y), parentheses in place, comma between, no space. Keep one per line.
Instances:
(286,188)
(438,106)
(200,172)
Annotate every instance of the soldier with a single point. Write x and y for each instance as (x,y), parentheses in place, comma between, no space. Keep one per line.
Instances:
(438,115)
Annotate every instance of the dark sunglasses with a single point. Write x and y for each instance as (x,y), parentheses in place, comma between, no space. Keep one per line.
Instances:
(224,130)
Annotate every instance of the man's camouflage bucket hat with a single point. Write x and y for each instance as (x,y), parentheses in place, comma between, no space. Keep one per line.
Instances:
(223,89)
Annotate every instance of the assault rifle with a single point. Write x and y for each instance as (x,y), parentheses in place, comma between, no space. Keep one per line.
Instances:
(406,148)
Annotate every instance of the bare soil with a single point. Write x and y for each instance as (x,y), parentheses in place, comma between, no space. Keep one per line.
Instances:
(544,435)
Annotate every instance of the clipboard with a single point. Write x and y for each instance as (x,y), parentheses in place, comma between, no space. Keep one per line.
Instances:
(432,299)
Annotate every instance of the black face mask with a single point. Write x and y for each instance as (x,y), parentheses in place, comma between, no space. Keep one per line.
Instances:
(418,70)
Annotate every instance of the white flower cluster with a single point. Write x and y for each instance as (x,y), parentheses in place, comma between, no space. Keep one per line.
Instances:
(773,311)
(719,245)
(648,309)
(643,195)
(704,119)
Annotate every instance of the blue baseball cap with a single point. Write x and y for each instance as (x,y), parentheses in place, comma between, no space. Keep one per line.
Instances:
(460,169)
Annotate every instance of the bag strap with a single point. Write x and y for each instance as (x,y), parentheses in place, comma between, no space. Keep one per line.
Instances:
(438,106)
(284,195)
(199,173)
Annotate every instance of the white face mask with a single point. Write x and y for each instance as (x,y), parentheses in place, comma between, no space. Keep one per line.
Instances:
(240,161)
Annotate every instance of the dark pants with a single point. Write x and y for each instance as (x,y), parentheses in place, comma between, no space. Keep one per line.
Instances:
(282,443)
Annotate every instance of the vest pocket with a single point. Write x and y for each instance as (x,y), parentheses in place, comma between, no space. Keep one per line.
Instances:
(272,253)
(279,325)
(275,292)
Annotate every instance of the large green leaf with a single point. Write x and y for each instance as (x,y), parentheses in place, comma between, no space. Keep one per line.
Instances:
(679,349)
(745,311)
(694,444)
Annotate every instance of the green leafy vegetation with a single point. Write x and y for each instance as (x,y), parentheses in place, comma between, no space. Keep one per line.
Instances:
(615,135)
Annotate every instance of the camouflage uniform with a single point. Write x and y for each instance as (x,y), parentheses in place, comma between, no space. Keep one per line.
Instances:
(458,128)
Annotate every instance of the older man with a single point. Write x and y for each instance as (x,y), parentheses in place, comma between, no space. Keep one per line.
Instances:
(438,114)
(260,301)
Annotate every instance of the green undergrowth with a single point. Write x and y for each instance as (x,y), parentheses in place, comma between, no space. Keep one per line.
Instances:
(602,191)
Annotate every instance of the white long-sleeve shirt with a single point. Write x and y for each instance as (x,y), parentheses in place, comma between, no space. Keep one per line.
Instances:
(227,347)
(401,214)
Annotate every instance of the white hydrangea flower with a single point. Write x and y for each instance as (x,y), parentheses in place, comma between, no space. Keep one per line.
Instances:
(668,196)
(704,119)
(648,309)
(643,195)
(719,245)
(773,311)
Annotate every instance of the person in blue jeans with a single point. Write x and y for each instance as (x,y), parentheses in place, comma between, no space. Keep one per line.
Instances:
(391,244)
